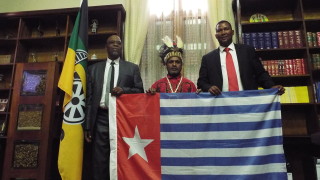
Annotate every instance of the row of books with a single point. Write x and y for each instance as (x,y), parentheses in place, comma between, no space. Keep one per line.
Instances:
(285,67)
(313,39)
(295,94)
(317,91)
(274,39)
(315,59)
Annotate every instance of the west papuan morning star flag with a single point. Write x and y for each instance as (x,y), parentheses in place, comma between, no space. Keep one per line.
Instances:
(73,82)
(185,136)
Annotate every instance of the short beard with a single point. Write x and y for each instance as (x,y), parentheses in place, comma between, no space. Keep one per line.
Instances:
(114,55)
(174,74)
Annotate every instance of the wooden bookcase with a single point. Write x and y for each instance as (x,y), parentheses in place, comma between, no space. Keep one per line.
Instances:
(29,139)
(300,120)
(29,40)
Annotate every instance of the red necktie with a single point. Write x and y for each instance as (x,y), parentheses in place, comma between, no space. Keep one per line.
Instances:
(232,75)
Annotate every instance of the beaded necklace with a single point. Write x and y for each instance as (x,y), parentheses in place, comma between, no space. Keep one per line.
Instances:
(171,85)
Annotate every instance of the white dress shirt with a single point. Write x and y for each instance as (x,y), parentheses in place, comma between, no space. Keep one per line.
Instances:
(105,79)
(225,84)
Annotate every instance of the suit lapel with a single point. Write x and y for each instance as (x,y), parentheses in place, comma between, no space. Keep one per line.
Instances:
(217,64)
(100,75)
(121,71)
(240,57)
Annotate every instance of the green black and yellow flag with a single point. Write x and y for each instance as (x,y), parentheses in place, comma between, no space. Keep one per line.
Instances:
(73,82)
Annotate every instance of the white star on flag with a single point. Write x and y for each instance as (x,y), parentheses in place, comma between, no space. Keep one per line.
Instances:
(137,145)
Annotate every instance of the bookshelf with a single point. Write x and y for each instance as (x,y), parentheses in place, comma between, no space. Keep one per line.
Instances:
(286,45)
(38,40)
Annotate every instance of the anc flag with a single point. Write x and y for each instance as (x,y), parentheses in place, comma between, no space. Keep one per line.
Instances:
(73,82)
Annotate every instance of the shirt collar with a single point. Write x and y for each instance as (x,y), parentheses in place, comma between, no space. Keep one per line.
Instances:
(231,46)
(171,77)
(115,61)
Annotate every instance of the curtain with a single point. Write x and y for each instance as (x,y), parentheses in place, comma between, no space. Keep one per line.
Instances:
(151,67)
(136,26)
(189,19)
(220,10)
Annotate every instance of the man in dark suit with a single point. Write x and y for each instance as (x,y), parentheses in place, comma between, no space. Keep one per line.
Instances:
(250,73)
(127,80)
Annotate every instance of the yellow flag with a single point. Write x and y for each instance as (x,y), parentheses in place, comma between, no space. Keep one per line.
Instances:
(73,82)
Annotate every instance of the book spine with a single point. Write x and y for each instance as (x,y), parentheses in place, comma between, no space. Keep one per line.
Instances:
(285,35)
(285,67)
(254,39)
(295,66)
(299,66)
(298,39)
(292,40)
(318,39)
(276,67)
(246,39)
(267,40)
(260,39)
(291,67)
(317,61)
(274,40)
(281,67)
(269,67)
(303,69)
(309,39)
(272,68)
(280,39)
(314,39)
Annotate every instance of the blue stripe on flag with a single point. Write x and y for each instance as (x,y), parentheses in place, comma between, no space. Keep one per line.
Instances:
(202,95)
(236,143)
(210,110)
(222,161)
(235,126)
(222,165)
(265,176)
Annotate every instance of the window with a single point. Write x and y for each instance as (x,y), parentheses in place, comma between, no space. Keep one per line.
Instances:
(185,18)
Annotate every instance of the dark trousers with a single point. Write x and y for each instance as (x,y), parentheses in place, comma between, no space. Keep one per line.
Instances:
(101,147)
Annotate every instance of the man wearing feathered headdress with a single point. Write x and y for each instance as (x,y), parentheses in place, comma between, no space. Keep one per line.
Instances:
(171,55)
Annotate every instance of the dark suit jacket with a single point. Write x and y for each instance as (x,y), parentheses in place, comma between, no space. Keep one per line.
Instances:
(252,72)
(129,80)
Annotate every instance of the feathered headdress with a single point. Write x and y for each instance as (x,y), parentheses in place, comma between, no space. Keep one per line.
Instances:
(171,49)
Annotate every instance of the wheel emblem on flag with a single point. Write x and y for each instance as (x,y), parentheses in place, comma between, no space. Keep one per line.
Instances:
(74,110)
(81,55)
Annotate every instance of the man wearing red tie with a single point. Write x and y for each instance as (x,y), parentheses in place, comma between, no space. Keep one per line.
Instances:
(232,67)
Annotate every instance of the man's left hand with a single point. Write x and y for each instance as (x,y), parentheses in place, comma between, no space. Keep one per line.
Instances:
(280,88)
(117,91)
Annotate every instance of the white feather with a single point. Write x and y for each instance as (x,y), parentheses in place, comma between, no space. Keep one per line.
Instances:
(167,41)
(179,42)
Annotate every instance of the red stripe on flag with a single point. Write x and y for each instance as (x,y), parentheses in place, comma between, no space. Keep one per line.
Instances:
(144,116)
